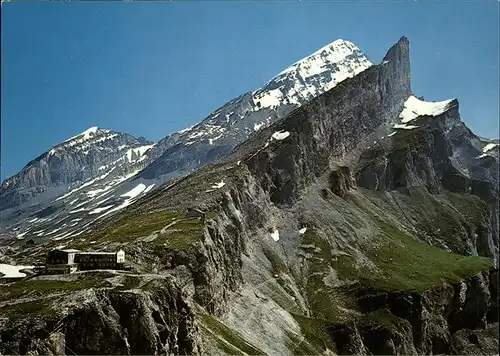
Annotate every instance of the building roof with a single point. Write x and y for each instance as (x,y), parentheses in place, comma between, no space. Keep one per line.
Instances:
(97,253)
(70,250)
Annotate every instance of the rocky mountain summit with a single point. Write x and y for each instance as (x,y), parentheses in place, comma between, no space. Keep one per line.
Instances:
(234,122)
(363,222)
(90,154)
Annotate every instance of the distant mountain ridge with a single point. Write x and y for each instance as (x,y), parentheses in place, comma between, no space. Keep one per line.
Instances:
(88,155)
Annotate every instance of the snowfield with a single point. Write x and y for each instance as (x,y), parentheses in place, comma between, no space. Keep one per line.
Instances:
(404,127)
(415,107)
(218,185)
(275,235)
(10,271)
(280,135)
(135,191)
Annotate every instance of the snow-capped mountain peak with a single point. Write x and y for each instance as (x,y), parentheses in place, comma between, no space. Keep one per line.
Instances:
(74,161)
(89,132)
(232,123)
(332,52)
(85,134)
(83,140)
(313,75)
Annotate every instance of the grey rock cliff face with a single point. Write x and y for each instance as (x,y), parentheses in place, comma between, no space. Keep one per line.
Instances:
(399,78)
(108,322)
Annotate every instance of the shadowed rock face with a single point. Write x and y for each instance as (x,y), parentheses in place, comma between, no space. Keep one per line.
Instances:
(328,232)
(398,80)
(340,181)
(108,322)
(429,320)
(439,155)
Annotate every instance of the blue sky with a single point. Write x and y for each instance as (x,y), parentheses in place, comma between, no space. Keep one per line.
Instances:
(152,68)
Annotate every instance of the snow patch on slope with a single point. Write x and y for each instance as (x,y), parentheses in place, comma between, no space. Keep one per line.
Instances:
(218,185)
(256,127)
(138,189)
(10,271)
(136,153)
(489,147)
(99,210)
(404,127)
(275,235)
(77,211)
(415,107)
(280,135)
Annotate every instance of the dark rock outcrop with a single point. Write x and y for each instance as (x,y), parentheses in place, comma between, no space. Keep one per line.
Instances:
(429,322)
(96,322)
(340,181)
